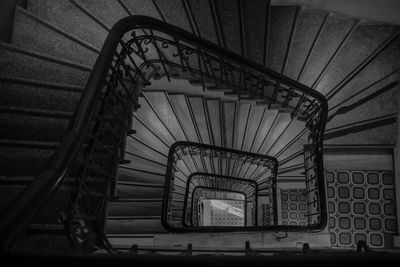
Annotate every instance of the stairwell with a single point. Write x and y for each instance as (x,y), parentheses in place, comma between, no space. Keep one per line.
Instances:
(44,69)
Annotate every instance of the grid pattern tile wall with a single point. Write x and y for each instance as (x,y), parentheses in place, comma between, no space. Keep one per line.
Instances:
(361,206)
(223,216)
(294,207)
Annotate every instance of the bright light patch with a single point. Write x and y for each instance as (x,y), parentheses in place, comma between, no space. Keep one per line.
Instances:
(221,205)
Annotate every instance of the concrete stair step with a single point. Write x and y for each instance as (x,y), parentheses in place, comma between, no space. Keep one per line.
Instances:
(256,28)
(43,243)
(162,106)
(26,64)
(137,175)
(135,207)
(8,193)
(334,34)
(133,190)
(380,106)
(380,72)
(183,111)
(377,131)
(282,21)
(309,23)
(142,7)
(69,17)
(229,16)
(138,147)
(147,116)
(138,225)
(24,158)
(363,42)
(34,94)
(202,14)
(294,128)
(108,12)
(174,13)
(35,125)
(279,125)
(51,40)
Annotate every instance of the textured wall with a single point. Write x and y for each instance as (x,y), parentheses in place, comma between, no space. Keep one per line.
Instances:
(379,10)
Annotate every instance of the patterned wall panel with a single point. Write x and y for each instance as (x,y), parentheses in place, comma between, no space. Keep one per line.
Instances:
(361,206)
(294,207)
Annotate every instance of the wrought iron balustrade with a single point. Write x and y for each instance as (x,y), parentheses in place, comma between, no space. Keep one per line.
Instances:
(222,169)
(137,50)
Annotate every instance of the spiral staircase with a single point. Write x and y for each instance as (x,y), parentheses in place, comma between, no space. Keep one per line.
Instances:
(45,69)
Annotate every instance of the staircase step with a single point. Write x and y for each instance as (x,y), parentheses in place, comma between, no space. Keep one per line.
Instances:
(43,244)
(377,131)
(336,30)
(139,190)
(310,22)
(141,225)
(183,113)
(34,94)
(9,193)
(109,12)
(228,14)
(145,135)
(136,146)
(142,7)
(135,207)
(174,13)
(55,229)
(291,131)
(141,163)
(202,14)
(292,161)
(282,18)
(147,115)
(255,117)
(16,180)
(50,212)
(32,124)
(137,175)
(364,41)
(256,29)
(26,64)
(279,125)
(51,40)
(200,117)
(67,16)
(382,105)
(162,105)
(380,72)
(24,158)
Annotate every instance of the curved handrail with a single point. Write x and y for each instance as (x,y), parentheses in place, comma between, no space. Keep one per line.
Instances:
(19,214)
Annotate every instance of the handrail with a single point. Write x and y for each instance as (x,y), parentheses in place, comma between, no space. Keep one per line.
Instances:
(266,164)
(19,214)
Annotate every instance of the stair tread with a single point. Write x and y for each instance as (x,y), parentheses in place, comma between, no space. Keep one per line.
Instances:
(51,41)
(67,16)
(109,12)
(172,10)
(22,63)
(35,95)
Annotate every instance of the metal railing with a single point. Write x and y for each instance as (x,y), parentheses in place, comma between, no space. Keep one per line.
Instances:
(139,49)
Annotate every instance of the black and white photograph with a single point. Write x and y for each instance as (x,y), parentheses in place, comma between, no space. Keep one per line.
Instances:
(199,133)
